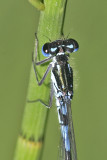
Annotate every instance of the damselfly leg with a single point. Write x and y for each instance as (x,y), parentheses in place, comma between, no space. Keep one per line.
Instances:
(35,63)
(49,105)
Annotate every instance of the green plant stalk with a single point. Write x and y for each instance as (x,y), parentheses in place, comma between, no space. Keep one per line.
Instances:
(30,141)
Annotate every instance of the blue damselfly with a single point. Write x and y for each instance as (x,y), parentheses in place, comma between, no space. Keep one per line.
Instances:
(62,86)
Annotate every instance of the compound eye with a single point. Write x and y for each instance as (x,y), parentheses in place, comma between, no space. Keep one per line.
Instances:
(45,50)
(68,45)
(76,45)
(71,45)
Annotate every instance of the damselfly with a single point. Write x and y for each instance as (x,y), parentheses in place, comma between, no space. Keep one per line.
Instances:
(62,85)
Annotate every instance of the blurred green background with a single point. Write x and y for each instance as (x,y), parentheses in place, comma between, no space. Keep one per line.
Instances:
(86,21)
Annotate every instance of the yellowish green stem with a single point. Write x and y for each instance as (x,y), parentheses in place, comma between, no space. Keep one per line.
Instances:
(30,141)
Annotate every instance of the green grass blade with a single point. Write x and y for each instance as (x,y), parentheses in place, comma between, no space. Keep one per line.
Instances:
(30,141)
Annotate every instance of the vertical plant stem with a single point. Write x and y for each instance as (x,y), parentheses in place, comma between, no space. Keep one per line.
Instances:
(30,141)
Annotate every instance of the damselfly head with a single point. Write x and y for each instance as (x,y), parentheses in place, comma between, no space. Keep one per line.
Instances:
(59,46)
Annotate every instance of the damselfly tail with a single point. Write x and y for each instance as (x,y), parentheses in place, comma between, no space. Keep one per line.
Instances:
(71,132)
(68,147)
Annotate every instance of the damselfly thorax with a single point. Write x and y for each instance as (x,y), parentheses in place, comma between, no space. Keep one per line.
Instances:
(62,76)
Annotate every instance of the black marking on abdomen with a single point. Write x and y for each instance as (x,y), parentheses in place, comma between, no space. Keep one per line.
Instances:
(67,155)
(63,118)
